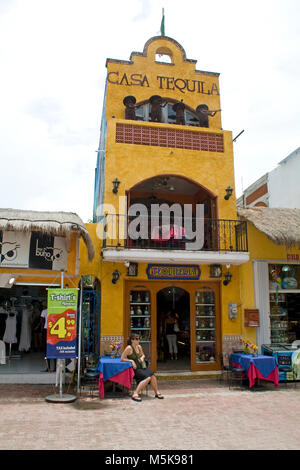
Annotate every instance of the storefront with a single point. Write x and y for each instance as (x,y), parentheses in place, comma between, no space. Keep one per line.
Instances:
(162,148)
(38,251)
(284,280)
(273,236)
(197,308)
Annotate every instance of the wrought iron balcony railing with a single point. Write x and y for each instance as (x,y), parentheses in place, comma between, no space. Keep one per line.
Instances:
(123,231)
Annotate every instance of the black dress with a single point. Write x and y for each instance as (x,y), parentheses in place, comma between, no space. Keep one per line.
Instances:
(141,372)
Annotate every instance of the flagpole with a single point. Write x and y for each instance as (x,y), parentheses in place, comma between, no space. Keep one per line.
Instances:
(162,25)
(79,337)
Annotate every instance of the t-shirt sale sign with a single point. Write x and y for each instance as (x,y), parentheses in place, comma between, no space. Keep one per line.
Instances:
(62,324)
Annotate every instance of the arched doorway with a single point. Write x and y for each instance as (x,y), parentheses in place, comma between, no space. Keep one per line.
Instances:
(177,300)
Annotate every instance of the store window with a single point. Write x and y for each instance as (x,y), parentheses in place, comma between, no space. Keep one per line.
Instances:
(205,326)
(284,287)
(140,318)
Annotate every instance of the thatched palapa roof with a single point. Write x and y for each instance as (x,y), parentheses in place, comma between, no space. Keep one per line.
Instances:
(280,225)
(51,223)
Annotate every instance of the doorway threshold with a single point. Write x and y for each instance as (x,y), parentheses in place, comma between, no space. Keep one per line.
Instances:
(188,374)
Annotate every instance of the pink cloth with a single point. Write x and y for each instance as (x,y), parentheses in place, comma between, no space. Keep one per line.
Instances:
(253,374)
(123,378)
(165,232)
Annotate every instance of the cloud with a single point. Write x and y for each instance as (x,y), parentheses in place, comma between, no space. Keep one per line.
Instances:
(53,55)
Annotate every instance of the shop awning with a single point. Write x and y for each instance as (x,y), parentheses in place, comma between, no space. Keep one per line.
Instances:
(52,223)
(280,225)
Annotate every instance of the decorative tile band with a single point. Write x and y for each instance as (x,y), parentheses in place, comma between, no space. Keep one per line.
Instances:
(161,137)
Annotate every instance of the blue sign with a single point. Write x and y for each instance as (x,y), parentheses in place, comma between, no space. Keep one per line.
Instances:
(173,271)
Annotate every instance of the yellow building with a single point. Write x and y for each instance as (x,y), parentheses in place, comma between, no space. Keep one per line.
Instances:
(166,235)
(162,148)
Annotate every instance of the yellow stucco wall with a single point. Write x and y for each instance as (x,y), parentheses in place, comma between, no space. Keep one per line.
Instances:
(144,82)
(131,164)
(141,76)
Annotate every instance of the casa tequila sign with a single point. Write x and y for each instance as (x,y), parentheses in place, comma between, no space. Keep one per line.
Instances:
(173,271)
(164,83)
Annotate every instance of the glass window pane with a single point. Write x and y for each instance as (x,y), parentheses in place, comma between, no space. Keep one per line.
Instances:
(191,120)
(140,318)
(205,326)
(171,114)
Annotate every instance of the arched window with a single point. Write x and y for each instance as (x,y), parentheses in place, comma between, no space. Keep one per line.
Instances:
(143,113)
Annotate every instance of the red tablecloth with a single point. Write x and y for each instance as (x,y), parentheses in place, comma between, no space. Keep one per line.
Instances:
(253,374)
(123,378)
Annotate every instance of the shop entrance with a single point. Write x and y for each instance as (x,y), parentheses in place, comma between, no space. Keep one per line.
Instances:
(21,329)
(175,301)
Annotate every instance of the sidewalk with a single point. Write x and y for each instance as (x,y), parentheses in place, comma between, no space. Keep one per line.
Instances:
(195,414)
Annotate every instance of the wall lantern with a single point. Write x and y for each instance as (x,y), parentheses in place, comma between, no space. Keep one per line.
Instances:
(116,184)
(229,192)
(228,278)
(115,276)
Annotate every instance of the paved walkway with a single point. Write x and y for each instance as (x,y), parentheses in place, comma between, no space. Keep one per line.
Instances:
(195,414)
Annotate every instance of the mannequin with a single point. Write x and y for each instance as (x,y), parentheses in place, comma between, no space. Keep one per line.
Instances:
(25,339)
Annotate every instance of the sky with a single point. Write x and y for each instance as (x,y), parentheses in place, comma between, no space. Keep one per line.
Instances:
(52,77)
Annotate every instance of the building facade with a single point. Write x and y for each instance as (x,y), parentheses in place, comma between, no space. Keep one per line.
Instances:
(278,188)
(162,147)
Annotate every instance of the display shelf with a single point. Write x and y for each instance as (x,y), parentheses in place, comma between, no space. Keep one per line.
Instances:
(205,327)
(140,317)
(140,303)
(285,291)
(205,341)
(205,305)
(138,328)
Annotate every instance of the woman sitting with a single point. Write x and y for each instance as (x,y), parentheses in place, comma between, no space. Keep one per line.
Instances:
(134,353)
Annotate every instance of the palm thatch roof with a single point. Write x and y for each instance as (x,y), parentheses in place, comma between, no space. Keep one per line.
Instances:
(51,223)
(280,225)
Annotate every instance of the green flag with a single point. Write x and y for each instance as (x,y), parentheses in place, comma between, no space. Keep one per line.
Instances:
(162,25)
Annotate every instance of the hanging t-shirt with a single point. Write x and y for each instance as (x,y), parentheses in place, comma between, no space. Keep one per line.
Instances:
(10,329)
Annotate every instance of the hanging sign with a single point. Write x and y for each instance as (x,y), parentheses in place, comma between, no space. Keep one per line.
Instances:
(62,323)
(33,250)
(173,271)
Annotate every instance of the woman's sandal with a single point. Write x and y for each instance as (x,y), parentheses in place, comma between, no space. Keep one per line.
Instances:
(159,396)
(136,398)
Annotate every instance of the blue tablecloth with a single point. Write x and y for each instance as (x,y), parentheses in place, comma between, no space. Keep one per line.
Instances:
(265,364)
(110,367)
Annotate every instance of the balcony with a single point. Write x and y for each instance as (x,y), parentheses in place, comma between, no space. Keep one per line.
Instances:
(197,241)
(161,136)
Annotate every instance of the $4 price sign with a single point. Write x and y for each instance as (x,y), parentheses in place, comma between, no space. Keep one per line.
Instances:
(61,327)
